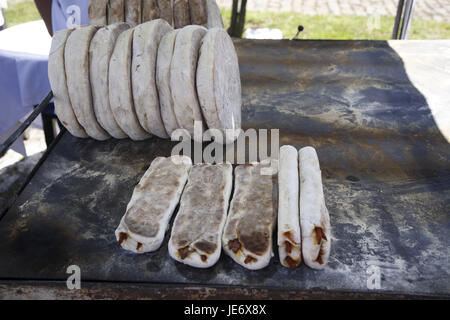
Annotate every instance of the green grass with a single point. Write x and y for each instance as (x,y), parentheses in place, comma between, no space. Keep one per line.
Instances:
(21,12)
(316,27)
(339,27)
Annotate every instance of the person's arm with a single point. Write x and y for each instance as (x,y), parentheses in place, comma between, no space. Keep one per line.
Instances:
(45,10)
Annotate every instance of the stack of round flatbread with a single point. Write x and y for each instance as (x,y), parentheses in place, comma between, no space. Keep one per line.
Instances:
(178,13)
(119,81)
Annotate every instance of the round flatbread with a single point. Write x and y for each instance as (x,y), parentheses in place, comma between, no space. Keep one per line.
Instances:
(182,77)
(133,12)
(214,16)
(97,12)
(76,59)
(120,92)
(219,84)
(116,11)
(166,10)
(165,53)
(150,10)
(58,83)
(181,16)
(100,51)
(197,11)
(143,68)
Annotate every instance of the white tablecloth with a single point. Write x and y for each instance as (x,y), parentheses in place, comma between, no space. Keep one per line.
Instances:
(23,71)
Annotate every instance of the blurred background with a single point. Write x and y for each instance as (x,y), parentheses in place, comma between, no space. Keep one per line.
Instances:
(322,19)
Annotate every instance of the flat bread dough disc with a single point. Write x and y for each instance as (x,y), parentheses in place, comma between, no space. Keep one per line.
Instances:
(76,59)
(133,12)
(116,11)
(219,83)
(97,11)
(120,91)
(143,75)
(198,13)
(165,53)
(182,77)
(214,16)
(181,15)
(150,10)
(58,83)
(100,51)
(166,10)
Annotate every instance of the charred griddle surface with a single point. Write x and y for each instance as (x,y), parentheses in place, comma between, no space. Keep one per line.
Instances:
(385,166)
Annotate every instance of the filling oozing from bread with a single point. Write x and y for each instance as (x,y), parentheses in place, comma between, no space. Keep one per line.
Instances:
(289,245)
(235,246)
(320,237)
(122,237)
(186,251)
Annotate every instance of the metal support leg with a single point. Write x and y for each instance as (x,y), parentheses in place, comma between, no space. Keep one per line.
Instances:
(44,103)
(49,121)
(398,19)
(49,131)
(2,20)
(407,18)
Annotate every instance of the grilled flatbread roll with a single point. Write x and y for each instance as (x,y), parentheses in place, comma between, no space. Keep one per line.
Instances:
(76,59)
(116,11)
(314,217)
(214,16)
(289,236)
(197,11)
(100,51)
(166,10)
(196,234)
(181,16)
(247,237)
(163,63)
(150,10)
(58,83)
(143,68)
(182,76)
(120,90)
(219,83)
(152,204)
(133,12)
(97,11)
